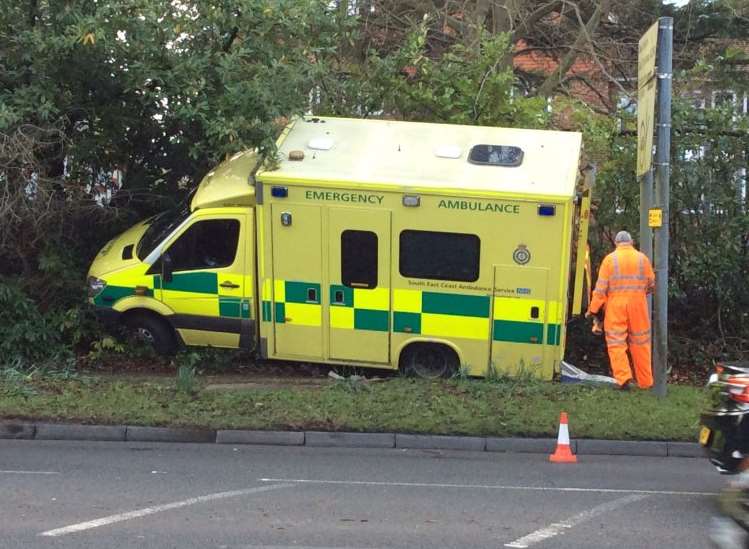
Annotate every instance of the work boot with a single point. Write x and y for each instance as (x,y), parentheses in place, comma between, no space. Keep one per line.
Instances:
(626,386)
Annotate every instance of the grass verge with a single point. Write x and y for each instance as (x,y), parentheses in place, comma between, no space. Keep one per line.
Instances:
(463,407)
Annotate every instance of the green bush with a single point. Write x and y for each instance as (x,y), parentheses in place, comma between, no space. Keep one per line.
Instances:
(29,338)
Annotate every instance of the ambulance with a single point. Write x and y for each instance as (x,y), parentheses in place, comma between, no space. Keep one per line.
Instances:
(429,248)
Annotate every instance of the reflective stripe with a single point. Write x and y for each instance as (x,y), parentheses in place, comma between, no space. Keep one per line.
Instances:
(627,289)
(600,292)
(616,332)
(615,259)
(640,333)
(642,266)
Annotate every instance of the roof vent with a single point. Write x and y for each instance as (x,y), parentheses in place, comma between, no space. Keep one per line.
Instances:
(496,155)
(447,151)
(320,144)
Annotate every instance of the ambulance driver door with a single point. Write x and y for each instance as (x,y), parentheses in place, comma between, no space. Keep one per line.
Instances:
(359,292)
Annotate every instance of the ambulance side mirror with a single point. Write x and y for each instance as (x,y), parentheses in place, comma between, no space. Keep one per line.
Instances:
(167,266)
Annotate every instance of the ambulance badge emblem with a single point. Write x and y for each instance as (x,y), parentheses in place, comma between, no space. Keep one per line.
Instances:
(521,255)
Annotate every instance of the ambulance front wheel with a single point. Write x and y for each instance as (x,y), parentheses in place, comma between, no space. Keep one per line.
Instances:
(154,331)
(429,360)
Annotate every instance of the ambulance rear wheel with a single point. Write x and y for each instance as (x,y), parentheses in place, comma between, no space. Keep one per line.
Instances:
(154,331)
(429,361)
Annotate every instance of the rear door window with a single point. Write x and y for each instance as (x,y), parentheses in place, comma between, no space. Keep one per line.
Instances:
(359,259)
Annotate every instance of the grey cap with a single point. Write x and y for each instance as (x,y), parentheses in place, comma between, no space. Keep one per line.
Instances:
(623,237)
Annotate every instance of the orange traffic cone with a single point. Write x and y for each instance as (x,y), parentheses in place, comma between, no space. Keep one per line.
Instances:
(563,453)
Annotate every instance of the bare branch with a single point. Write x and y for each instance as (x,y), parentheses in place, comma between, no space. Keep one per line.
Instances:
(557,76)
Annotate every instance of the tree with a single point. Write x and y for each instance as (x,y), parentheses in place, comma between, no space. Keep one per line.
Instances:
(160,90)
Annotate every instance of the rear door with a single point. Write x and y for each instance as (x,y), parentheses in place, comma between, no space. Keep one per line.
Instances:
(297,280)
(359,292)
(520,313)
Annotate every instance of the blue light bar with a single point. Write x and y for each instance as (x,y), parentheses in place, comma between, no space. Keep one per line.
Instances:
(279,192)
(547,210)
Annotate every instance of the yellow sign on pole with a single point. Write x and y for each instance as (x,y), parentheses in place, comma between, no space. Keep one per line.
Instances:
(655,218)
(645,125)
(646,55)
(646,98)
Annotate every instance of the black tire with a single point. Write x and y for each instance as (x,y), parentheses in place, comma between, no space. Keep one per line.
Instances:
(154,331)
(429,361)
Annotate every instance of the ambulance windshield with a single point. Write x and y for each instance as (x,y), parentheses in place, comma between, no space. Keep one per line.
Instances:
(162,226)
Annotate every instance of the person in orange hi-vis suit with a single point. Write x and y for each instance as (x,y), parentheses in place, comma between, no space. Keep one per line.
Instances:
(624,280)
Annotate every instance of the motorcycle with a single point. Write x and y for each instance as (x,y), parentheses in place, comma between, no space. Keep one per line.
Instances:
(724,434)
(724,423)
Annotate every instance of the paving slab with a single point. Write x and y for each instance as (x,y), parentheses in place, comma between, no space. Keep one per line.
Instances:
(525,445)
(622,447)
(350,440)
(12,429)
(54,431)
(440,442)
(274,438)
(686,449)
(168,434)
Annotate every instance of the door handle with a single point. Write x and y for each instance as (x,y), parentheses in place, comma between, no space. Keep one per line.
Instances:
(227,284)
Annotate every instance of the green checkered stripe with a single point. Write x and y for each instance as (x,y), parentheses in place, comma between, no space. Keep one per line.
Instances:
(111,294)
(364,319)
(479,307)
(526,332)
(196,283)
(234,307)
(441,304)
(295,292)
(207,283)
(267,312)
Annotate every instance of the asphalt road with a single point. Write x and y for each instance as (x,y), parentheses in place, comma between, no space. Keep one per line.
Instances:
(107,495)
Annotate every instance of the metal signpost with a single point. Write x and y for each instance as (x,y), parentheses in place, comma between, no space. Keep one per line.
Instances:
(656,43)
(663,191)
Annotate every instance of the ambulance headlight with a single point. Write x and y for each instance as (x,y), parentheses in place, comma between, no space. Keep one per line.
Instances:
(95,286)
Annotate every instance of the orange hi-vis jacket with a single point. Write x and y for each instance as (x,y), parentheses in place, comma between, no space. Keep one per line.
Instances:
(624,280)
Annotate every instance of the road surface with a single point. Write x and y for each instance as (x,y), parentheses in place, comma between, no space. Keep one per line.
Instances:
(121,495)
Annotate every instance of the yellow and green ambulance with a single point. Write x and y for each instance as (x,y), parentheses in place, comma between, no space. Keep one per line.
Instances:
(425,247)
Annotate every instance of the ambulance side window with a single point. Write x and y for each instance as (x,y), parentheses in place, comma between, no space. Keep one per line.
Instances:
(439,256)
(359,259)
(209,244)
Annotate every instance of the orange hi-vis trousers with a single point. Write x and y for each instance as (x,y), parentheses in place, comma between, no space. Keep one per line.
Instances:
(624,280)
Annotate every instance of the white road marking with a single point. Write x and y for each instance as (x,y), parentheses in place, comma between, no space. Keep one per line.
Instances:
(293,547)
(557,528)
(29,473)
(493,487)
(138,513)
